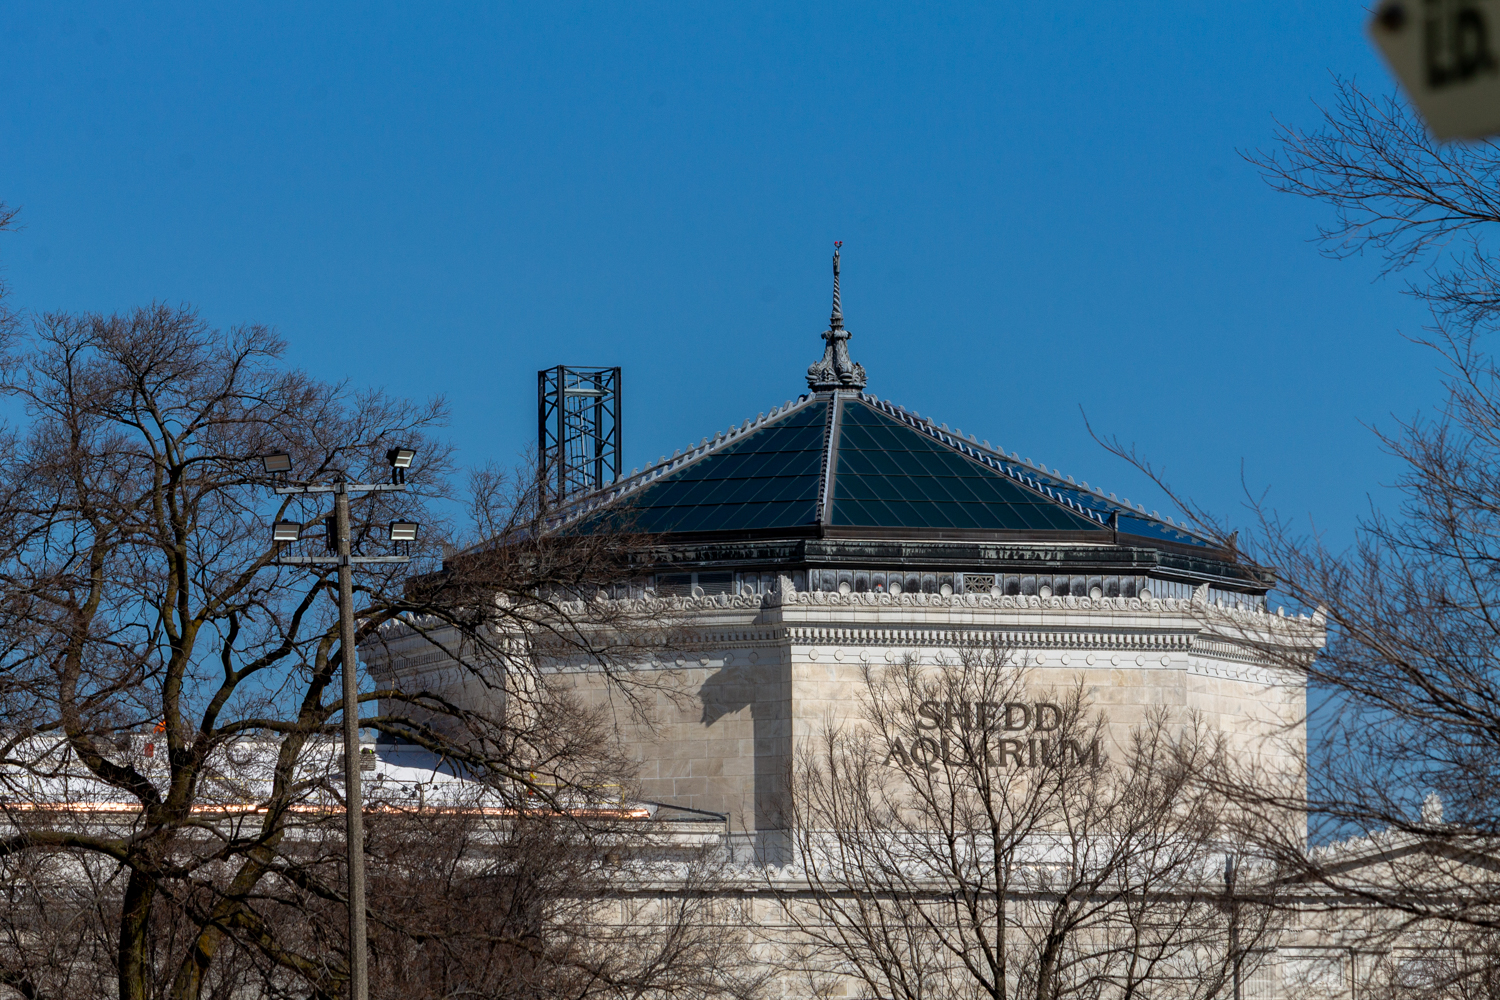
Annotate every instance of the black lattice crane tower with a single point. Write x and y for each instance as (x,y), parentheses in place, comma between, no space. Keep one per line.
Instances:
(578,431)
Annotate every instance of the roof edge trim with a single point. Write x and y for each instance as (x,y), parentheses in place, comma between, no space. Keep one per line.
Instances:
(993,457)
(974,453)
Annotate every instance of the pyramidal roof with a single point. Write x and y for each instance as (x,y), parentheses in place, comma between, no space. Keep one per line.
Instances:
(840,460)
(851,460)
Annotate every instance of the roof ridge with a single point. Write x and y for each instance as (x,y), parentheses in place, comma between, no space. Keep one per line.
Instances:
(928,427)
(987,454)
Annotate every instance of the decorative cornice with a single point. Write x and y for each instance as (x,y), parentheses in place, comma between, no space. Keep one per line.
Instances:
(1205,656)
(708,602)
(1182,645)
(1196,608)
(1213,630)
(1064,648)
(1234,667)
(1020,639)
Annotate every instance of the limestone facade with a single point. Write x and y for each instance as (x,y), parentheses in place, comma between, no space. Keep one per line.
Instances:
(726,713)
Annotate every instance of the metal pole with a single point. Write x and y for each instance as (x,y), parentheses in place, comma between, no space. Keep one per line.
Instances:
(359,979)
(598,482)
(619,443)
(1234,923)
(541,433)
(562,435)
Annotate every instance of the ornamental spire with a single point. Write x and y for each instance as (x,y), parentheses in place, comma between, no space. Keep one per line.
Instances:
(836,370)
(836,321)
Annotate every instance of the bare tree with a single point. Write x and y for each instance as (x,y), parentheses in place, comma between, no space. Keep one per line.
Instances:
(563,914)
(975,836)
(1418,204)
(470,900)
(168,692)
(1412,658)
(1400,800)
(8,318)
(1408,679)
(1453,963)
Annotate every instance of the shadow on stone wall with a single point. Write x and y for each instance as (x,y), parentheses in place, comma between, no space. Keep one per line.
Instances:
(766,689)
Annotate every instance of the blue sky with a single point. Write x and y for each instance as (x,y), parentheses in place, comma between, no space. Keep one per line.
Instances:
(1043,208)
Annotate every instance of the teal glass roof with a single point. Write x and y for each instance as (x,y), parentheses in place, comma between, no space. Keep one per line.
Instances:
(893,476)
(890,470)
(767,479)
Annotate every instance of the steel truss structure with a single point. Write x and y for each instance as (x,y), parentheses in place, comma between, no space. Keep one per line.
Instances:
(578,431)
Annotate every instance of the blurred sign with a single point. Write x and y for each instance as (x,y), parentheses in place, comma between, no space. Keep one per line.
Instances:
(1446,53)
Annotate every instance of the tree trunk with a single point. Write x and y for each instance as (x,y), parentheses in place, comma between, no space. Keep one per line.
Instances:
(134,957)
(189,982)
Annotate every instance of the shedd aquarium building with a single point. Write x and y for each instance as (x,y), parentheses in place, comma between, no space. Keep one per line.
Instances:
(839,537)
(841,530)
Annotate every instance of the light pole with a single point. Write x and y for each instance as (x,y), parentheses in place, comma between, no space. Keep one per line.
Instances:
(400,531)
(1234,923)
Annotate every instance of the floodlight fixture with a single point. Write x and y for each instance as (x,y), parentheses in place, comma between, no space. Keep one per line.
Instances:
(404,531)
(280,462)
(286,531)
(400,459)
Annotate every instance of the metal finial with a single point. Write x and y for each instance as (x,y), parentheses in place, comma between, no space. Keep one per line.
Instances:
(836,321)
(836,370)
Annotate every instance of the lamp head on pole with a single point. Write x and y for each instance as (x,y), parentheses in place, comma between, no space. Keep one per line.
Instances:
(276,464)
(400,459)
(402,534)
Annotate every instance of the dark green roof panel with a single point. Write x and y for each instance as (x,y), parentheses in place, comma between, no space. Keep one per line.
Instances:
(890,473)
(768,480)
(892,476)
